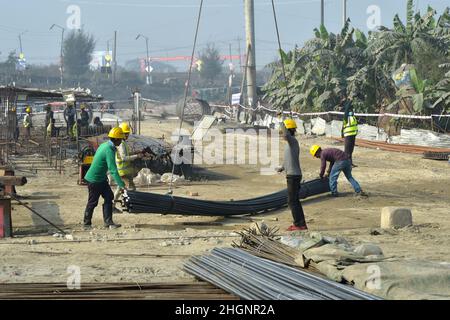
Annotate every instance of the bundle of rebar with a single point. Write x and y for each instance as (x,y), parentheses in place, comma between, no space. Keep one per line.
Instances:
(100,291)
(144,202)
(436,155)
(255,278)
(405,148)
(261,242)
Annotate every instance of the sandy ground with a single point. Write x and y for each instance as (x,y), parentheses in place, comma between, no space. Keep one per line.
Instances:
(162,243)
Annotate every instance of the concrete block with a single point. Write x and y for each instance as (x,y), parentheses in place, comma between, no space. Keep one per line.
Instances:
(392,217)
(334,130)
(308,127)
(319,127)
(368,250)
(300,126)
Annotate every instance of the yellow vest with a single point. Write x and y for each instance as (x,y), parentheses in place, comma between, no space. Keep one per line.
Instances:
(350,127)
(49,129)
(124,167)
(26,120)
(74,130)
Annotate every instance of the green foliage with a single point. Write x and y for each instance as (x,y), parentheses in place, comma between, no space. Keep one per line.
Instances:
(78,49)
(362,66)
(211,65)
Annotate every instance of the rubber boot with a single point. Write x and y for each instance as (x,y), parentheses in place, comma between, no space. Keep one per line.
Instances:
(88,218)
(107,213)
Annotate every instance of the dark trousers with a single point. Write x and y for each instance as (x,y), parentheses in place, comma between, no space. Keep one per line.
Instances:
(293,188)
(349,143)
(95,191)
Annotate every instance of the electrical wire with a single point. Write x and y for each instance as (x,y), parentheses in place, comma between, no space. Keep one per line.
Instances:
(283,69)
(188,83)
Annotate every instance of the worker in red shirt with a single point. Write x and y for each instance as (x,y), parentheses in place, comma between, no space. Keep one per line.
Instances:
(339,162)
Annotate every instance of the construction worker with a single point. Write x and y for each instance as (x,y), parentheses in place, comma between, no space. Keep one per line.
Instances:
(97,179)
(49,129)
(124,161)
(339,161)
(84,116)
(17,131)
(69,117)
(97,122)
(28,122)
(293,174)
(349,127)
(76,129)
(48,116)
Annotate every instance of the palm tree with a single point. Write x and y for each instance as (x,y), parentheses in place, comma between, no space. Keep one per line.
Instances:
(317,73)
(404,43)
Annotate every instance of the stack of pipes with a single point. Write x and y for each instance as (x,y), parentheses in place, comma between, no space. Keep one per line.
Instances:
(254,278)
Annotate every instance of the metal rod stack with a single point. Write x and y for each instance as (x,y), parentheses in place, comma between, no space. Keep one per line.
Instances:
(262,243)
(254,278)
(142,202)
(102,291)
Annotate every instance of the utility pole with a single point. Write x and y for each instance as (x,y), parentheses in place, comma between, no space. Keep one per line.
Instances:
(137,111)
(61,58)
(239,52)
(322,12)
(114,58)
(344,12)
(251,66)
(21,55)
(147,61)
(20,43)
(230,77)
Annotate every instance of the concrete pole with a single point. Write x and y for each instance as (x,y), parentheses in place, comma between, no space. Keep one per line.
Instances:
(239,52)
(137,111)
(20,43)
(62,57)
(251,67)
(344,12)
(114,65)
(147,63)
(322,12)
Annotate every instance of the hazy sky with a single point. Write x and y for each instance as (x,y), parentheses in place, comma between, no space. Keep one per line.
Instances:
(170,24)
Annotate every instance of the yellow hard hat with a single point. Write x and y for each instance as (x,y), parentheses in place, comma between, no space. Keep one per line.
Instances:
(83,106)
(116,133)
(125,127)
(290,124)
(314,150)
(28,110)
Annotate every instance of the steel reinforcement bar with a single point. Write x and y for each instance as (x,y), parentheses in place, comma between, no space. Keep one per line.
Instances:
(144,202)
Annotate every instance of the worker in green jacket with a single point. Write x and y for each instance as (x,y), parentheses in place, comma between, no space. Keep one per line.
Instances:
(96,177)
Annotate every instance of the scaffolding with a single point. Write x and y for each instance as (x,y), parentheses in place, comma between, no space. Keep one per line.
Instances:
(50,149)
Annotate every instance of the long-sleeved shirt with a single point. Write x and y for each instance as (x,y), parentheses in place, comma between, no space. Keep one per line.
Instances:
(84,116)
(124,154)
(291,154)
(69,114)
(331,155)
(104,161)
(48,117)
(27,121)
